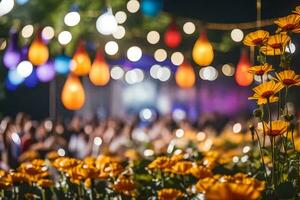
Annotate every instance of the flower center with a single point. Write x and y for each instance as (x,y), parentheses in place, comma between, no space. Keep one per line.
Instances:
(267,94)
(288,81)
(260,72)
(288,27)
(274,132)
(257,40)
(276,46)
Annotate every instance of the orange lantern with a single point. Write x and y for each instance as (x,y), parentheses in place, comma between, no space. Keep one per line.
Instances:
(203,53)
(38,52)
(81,63)
(99,73)
(72,95)
(242,76)
(185,76)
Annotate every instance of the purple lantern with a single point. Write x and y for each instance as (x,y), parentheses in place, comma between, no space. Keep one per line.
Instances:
(46,72)
(12,55)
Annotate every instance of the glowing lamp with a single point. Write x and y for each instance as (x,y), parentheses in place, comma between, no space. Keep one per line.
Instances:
(38,53)
(99,74)
(172,36)
(46,72)
(12,55)
(151,7)
(185,76)
(81,63)
(73,96)
(32,80)
(62,64)
(242,76)
(106,23)
(203,53)
(6,6)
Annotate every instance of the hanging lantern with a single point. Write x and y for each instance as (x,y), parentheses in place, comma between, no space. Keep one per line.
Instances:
(172,36)
(12,55)
(62,64)
(185,76)
(203,53)
(46,72)
(99,73)
(73,96)
(81,63)
(151,8)
(38,53)
(242,76)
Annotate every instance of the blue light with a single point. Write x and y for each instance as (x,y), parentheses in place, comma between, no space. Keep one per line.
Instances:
(21,2)
(32,80)
(151,7)
(14,77)
(9,86)
(62,64)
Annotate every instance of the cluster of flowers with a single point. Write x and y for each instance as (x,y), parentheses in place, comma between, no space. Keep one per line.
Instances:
(271,95)
(178,176)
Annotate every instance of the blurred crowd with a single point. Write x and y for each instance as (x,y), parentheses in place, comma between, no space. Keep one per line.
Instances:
(80,137)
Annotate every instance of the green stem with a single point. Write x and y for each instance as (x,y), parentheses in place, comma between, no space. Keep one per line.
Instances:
(286,99)
(273,160)
(261,155)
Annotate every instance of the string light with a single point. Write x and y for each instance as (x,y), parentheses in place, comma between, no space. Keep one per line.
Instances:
(208,73)
(27,31)
(154,71)
(189,28)
(177,58)
(133,6)
(237,35)
(6,6)
(3,45)
(72,18)
(24,68)
(237,127)
(153,37)
(48,33)
(134,53)
(119,33)
(228,70)
(106,23)
(111,48)
(291,48)
(121,17)
(116,72)
(64,37)
(134,76)
(163,74)
(160,55)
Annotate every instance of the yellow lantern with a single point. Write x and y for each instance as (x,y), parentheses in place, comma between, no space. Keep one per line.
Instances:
(203,53)
(72,95)
(38,52)
(81,63)
(99,73)
(185,76)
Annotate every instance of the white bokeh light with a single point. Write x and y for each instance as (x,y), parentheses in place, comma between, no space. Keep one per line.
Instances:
(134,76)
(177,58)
(208,73)
(153,37)
(116,72)
(146,114)
(111,48)
(106,23)
(291,48)
(228,70)
(6,6)
(163,74)
(72,18)
(133,6)
(154,71)
(97,141)
(27,31)
(48,33)
(119,33)
(237,35)
(121,17)
(160,55)
(134,53)
(24,68)
(64,37)
(237,127)
(189,28)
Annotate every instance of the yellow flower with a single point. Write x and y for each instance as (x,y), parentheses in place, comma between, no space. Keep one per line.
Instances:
(90,160)
(28,156)
(102,160)
(266,91)
(289,23)
(203,184)
(278,128)
(124,185)
(111,170)
(275,44)
(88,183)
(177,157)
(45,183)
(260,70)
(132,154)
(182,167)
(5,180)
(18,177)
(201,172)
(52,155)
(63,163)
(231,191)
(162,162)
(87,171)
(169,194)
(288,78)
(256,38)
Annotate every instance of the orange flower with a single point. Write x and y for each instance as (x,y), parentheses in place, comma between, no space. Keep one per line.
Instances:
(203,184)
(260,70)
(266,91)
(169,194)
(288,23)
(275,44)
(201,172)
(162,162)
(124,185)
(288,78)
(111,170)
(278,128)
(18,177)
(45,183)
(256,38)
(182,167)
(63,163)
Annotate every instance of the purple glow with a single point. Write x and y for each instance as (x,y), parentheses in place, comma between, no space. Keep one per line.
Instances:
(12,55)
(46,72)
